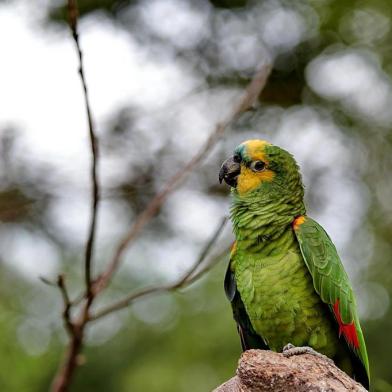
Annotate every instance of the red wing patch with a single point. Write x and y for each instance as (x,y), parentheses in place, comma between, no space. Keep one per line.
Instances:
(348,330)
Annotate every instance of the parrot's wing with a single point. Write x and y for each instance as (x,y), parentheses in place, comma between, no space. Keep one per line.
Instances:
(331,282)
(249,338)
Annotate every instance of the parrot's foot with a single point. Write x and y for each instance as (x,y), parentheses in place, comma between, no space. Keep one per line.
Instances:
(289,350)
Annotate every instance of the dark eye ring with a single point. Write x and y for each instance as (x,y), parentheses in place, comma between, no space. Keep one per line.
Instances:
(237,158)
(257,166)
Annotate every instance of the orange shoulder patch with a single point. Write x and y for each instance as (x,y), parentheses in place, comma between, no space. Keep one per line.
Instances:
(233,248)
(298,222)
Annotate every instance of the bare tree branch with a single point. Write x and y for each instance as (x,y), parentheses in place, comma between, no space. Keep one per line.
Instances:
(76,324)
(67,304)
(73,23)
(64,375)
(186,279)
(202,271)
(246,102)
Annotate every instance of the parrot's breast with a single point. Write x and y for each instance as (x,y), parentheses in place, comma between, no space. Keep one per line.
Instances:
(280,299)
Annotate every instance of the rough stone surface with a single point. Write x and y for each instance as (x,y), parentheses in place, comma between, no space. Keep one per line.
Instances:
(260,371)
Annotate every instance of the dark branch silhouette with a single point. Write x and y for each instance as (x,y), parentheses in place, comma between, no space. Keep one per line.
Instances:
(76,329)
(73,23)
(77,313)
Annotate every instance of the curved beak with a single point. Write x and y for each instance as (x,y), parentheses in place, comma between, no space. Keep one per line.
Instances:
(229,172)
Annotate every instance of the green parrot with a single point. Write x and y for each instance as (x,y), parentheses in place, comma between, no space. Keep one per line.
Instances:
(285,281)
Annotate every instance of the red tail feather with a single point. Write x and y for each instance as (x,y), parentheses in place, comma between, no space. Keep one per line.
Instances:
(348,330)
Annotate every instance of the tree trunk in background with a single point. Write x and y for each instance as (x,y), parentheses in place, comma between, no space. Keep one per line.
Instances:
(261,371)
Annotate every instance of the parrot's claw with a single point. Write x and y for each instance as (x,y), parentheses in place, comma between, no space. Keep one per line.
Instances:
(289,350)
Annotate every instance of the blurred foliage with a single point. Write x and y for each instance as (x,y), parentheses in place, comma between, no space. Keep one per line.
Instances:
(171,342)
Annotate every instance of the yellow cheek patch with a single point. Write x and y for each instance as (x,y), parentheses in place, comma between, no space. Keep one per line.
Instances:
(255,149)
(249,180)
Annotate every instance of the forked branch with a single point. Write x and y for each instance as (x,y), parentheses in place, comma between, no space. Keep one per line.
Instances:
(77,313)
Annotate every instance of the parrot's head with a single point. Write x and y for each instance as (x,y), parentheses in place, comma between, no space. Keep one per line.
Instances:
(260,168)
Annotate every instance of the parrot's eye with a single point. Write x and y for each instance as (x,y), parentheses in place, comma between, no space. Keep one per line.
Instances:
(257,166)
(237,158)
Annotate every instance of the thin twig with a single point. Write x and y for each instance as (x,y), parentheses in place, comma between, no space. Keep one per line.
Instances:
(76,325)
(76,329)
(245,103)
(186,279)
(208,267)
(73,23)
(67,304)
(63,377)
(47,281)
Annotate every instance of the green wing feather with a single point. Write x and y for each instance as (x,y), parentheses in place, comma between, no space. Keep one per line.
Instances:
(330,280)
(249,338)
